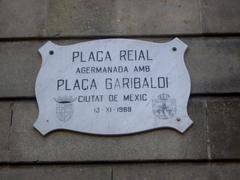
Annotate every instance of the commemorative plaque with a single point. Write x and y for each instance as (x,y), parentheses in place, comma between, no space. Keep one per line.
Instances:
(113,87)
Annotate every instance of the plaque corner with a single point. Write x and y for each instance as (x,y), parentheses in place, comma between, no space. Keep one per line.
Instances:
(39,126)
(49,46)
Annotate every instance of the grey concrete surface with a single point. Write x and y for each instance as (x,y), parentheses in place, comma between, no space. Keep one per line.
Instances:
(28,145)
(136,17)
(60,172)
(25,18)
(213,64)
(73,18)
(178,171)
(98,18)
(220,16)
(224,125)
(5,123)
(214,135)
(19,65)
(124,171)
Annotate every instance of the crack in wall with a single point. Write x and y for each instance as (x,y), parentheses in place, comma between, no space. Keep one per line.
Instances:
(111,173)
(45,19)
(209,153)
(10,125)
(201,16)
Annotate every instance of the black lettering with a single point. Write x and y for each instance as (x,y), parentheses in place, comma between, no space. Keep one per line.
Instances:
(93,84)
(75,55)
(125,83)
(76,85)
(161,82)
(78,70)
(84,86)
(66,86)
(98,54)
(108,56)
(122,55)
(130,55)
(166,82)
(141,56)
(108,83)
(91,57)
(60,83)
(137,84)
(152,85)
(149,59)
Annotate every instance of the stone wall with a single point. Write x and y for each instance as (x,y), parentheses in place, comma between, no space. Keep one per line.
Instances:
(208,150)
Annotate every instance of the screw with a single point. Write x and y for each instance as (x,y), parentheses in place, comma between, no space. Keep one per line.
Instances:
(51,52)
(178,119)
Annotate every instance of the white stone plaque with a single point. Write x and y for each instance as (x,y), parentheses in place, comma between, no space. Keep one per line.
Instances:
(113,87)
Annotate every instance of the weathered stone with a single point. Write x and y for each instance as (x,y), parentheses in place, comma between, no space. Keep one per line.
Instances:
(23,18)
(224,125)
(213,64)
(116,18)
(5,123)
(220,16)
(60,172)
(100,18)
(177,171)
(123,171)
(19,65)
(26,144)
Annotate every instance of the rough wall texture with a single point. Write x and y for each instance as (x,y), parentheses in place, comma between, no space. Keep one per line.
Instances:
(208,150)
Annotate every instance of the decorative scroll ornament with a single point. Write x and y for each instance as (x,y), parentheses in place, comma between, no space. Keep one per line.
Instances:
(113,87)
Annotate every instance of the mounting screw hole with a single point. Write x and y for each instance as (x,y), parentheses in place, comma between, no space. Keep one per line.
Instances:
(51,52)
(174,49)
(178,119)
